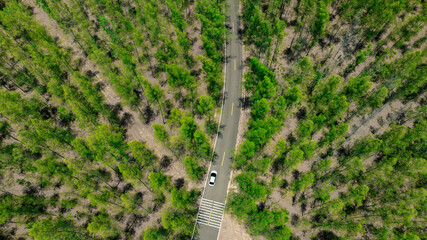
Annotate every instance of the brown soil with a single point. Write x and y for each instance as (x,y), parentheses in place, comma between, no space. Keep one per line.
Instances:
(231,229)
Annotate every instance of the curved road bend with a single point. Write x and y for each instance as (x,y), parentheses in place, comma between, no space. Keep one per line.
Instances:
(212,205)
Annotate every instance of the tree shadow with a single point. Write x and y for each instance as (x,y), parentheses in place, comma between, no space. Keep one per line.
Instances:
(165,162)
(148,114)
(244,103)
(301,114)
(179,183)
(126,120)
(221,128)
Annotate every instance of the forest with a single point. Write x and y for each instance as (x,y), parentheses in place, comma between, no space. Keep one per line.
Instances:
(334,142)
(109,112)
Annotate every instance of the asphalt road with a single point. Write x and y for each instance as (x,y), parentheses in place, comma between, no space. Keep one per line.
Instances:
(213,201)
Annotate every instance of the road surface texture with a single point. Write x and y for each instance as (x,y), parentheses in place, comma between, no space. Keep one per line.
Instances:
(212,205)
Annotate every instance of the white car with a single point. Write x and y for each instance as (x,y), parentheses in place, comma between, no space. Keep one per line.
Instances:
(212,178)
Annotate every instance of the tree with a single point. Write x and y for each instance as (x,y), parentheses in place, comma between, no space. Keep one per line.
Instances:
(175,116)
(258,72)
(130,203)
(358,194)
(82,149)
(56,228)
(293,96)
(358,87)
(266,220)
(377,98)
(246,152)
(182,199)
(260,108)
(206,106)
(322,165)
(260,165)
(308,148)
(304,73)
(249,185)
(179,76)
(159,181)
(322,19)
(194,171)
(335,133)
(305,129)
(165,54)
(323,193)
(188,127)
(132,171)
(177,221)
(296,156)
(266,88)
(155,233)
(281,147)
(155,94)
(305,181)
(103,226)
(142,154)
(160,133)
(278,108)
(107,143)
(353,168)
(201,146)
(241,205)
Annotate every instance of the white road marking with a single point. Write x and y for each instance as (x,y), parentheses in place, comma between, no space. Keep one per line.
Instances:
(210,213)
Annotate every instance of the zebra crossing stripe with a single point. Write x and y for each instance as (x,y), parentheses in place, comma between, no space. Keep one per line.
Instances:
(210,213)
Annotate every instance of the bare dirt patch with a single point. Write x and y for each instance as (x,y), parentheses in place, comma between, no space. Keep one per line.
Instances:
(231,229)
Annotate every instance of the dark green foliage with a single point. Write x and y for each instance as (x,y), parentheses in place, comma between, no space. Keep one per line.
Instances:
(188,127)
(246,152)
(153,233)
(182,199)
(345,61)
(267,220)
(179,77)
(309,148)
(250,186)
(322,19)
(206,106)
(177,221)
(241,205)
(260,81)
(175,117)
(194,171)
(160,133)
(358,87)
(211,127)
(57,228)
(305,129)
(159,181)
(260,108)
(142,154)
(102,225)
